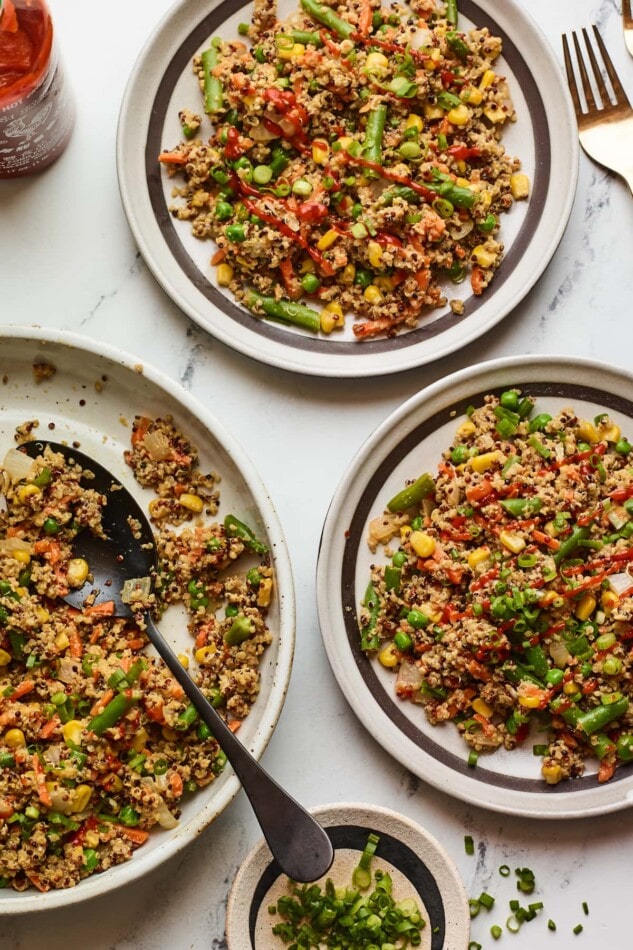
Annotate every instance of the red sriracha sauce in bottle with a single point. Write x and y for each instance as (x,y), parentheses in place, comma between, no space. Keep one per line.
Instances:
(36,107)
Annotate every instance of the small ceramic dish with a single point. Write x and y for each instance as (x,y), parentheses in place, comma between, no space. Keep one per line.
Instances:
(417,863)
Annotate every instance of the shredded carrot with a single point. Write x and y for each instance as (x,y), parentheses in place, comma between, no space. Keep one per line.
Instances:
(176,783)
(136,644)
(137,835)
(479,671)
(97,630)
(40,777)
(106,609)
(542,538)
(173,158)
(155,712)
(234,724)
(477,280)
(49,727)
(102,702)
(606,770)
(365,18)
(422,278)
(22,689)
(219,256)
(75,642)
(37,881)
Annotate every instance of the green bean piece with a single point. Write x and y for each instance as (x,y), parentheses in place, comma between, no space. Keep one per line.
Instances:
(306,37)
(237,529)
(459,196)
(600,716)
(212,86)
(241,629)
(187,717)
(570,544)
(285,311)
(369,640)
(44,478)
(413,494)
(114,711)
(374,132)
(522,507)
(457,45)
(624,747)
(328,18)
(451,11)
(392,578)
(602,745)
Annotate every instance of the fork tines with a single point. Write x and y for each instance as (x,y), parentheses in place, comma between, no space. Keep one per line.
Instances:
(619,95)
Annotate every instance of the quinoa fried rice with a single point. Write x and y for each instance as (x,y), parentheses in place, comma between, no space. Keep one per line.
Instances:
(354,162)
(506,605)
(98,743)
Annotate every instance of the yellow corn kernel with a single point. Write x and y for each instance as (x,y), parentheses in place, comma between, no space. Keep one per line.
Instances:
(327,240)
(205,653)
(14,738)
(376,62)
(91,839)
(434,615)
(307,267)
(298,49)
(224,274)
(27,491)
(362,181)
(140,739)
(81,797)
(530,700)
(552,774)
(5,658)
(609,601)
(485,199)
(191,502)
(22,557)
(61,640)
(483,257)
(384,283)
(320,152)
(169,734)
(388,656)
(461,166)
(77,571)
(72,731)
(586,606)
(484,462)
(477,557)
(570,688)
(374,254)
(519,186)
(345,141)
(462,182)
(466,429)
(372,294)
(249,101)
(487,79)
(471,95)
(548,598)
(348,274)
(265,592)
(481,706)
(495,114)
(405,531)
(246,264)
(587,432)
(511,542)
(459,115)
(431,111)
(42,614)
(113,782)
(414,121)
(611,432)
(332,317)
(423,544)
(183,659)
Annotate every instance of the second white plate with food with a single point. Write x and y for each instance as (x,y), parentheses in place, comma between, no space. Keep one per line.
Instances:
(544,137)
(524,555)
(56,680)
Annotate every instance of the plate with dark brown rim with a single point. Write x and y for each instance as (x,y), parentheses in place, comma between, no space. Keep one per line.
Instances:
(162,83)
(410,441)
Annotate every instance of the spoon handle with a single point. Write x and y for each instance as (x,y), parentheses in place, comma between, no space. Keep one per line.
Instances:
(297,841)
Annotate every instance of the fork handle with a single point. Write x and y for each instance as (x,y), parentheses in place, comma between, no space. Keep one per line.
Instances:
(297,841)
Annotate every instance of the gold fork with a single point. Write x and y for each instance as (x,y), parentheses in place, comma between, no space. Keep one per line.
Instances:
(605,129)
(627,24)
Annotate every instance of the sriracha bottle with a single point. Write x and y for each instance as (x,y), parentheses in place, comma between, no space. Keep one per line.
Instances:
(36,107)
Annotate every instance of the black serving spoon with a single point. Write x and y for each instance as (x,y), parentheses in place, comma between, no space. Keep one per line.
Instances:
(297,841)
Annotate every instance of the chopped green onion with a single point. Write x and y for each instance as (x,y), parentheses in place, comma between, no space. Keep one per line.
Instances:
(469,845)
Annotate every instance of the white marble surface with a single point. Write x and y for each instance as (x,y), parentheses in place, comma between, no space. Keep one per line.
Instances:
(68,260)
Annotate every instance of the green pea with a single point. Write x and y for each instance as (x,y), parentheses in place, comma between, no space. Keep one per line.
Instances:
(417,619)
(399,559)
(459,455)
(403,641)
(363,277)
(223,211)
(623,446)
(235,233)
(242,29)
(509,400)
(51,526)
(310,283)
(409,150)
(488,224)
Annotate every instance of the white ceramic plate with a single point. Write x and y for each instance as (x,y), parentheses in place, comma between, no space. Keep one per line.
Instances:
(93,397)
(420,868)
(162,83)
(409,442)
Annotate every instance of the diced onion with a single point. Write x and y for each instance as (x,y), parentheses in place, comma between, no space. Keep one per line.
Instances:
(157,445)
(135,589)
(259,133)
(18,465)
(421,38)
(620,583)
(457,233)
(11,545)
(559,653)
(164,817)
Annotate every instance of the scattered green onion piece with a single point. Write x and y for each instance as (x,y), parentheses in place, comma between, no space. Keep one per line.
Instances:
(469,844)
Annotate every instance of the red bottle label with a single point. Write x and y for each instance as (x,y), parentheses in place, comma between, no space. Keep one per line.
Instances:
(35,130)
